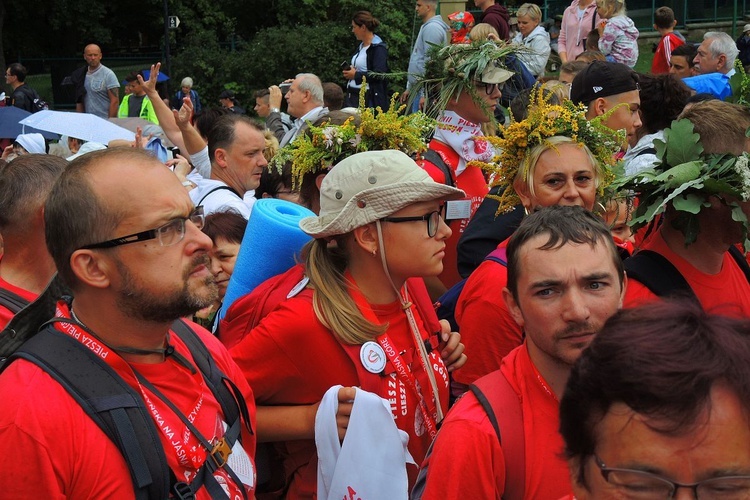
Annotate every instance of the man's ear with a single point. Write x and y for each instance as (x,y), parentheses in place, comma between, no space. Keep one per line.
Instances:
(599,106)
(91,268)
(513,307)
(220,157)
(319,180)
(721,61)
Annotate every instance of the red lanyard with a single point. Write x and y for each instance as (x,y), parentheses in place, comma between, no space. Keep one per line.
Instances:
(403,371)
(187,448)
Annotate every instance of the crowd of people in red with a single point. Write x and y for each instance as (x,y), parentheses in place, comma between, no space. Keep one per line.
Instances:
(549,307)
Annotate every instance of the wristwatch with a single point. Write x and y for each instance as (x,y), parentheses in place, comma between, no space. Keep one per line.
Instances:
(275,110)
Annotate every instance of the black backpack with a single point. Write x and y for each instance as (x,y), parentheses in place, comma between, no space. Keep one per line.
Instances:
(37,103)
(663,279)
(114,406)
(11,301)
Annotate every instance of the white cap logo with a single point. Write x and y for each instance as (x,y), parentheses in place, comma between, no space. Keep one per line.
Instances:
(598,89)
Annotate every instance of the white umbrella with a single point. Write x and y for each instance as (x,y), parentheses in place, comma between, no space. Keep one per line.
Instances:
(147,127)
(83,126)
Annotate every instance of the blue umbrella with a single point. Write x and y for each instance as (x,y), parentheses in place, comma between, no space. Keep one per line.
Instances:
(10,128)
(161,78)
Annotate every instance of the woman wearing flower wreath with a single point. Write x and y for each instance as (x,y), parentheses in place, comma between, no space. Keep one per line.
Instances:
(553,157)
(356,322)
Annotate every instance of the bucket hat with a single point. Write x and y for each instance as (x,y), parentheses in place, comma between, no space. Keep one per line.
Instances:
(369,186)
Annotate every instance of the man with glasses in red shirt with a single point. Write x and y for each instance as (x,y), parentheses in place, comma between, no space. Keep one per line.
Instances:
(658,405)
(127,241)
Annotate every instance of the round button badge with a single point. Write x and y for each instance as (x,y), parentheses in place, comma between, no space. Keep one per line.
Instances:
(372,357)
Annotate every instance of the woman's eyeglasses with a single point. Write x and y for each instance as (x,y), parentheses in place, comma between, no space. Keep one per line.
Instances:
(433,220)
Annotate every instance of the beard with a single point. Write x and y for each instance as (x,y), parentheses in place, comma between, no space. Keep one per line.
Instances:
(168,306)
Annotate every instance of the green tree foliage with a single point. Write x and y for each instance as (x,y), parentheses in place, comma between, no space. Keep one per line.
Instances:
(304,36)
(232,44)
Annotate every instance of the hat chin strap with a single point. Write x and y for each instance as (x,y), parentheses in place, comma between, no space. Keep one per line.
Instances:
(406,305)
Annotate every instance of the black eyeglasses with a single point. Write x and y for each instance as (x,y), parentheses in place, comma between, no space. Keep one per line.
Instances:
(433,221)
(489,88)
(169,234)
(644,485)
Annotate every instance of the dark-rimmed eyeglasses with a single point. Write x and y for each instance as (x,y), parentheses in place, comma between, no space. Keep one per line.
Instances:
(489,88)
(433,220)
(169,234)
(638,484)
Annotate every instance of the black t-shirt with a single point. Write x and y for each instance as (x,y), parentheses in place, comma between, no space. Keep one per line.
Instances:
(134,105)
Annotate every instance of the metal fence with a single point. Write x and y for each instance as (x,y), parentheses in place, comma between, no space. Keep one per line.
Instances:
(686,11)
(47,75)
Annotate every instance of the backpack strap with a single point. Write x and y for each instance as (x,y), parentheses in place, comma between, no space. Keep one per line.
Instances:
(226,392)
(232,404)
(434,157)
(219,188)
(121,413)
(499,255)
(646,151)
(108,400)
(503,407)
(658,274)
(741,261)
(11,301)
(446,303)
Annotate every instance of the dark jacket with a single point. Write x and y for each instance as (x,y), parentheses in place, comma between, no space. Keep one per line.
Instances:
(377,86)
(177,101)
(743,44)
(497,16)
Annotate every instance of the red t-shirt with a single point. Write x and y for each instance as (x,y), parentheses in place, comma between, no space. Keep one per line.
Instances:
(663,54)
(467,460)
(726,292)
(50,448)
(473,183)
(290,358)
(488,331)
(5,313)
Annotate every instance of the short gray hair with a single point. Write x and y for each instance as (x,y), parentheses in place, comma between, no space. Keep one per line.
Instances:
(721,43)
(311,83)
(187,82)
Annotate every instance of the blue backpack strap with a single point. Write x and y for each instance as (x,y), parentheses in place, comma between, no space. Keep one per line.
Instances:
(446,304)
(499,255)
(503,407)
